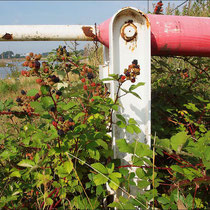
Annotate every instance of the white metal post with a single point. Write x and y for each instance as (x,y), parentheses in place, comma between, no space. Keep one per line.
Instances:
(129,39)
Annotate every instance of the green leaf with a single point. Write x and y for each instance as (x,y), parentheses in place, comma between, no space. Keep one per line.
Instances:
(124,171)
(178,140)
(130,129)
(26,163)
(124,146)
(107,79)
(163,200)
(142,149)
(136,128)
(15,174)
(124,90)
(192,107)
(140,173)
(45,89)
(164,142)
(177,169)
(133,87)
(68,166)
(102,143)
(49,201)
(115,181)
(32,92)
(135,94)
(143,184)
(69,106)
(47,101)
(121,124)
(115,107)
(120,117)
(189,201)
(37,106)
(138,161)
(78,116)
(94,154)
(99,179)
(116,175)
(115,205)
(115,76)
(110,168)
(100,168)
(132,121)
(1,106)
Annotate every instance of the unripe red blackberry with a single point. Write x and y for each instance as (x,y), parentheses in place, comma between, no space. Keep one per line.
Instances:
(25,63)
(38,81)
(83,79)
(31,64)
(44,64)
(28,58)
(93,84)
(54,123)
(61,119)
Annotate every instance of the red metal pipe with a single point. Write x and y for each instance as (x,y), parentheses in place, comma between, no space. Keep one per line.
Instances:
(173,35)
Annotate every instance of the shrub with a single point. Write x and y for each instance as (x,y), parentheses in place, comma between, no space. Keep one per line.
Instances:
(60,155)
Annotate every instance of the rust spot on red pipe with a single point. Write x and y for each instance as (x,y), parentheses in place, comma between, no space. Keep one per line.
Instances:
(7,36)
(88,31)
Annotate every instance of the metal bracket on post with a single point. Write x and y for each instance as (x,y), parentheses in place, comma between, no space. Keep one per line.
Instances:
(129,39)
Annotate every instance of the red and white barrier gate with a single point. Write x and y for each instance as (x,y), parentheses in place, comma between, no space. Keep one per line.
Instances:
(129,35)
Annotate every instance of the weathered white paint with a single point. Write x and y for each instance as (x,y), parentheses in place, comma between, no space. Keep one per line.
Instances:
(46,32)
(121,54)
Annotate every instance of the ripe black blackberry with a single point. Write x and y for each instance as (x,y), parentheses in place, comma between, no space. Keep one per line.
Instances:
(71,120)
(18,100)
(59,93)
(90,76)
(56,79)
(135,62)
(52,109)
(71,128)
(127,74)
(23,92)
(60,132)
(37,64)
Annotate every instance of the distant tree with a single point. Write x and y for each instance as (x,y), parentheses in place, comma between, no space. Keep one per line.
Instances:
(17,56)
(7,54)
(45,54)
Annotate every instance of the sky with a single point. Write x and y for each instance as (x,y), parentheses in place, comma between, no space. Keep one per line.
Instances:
(60,13)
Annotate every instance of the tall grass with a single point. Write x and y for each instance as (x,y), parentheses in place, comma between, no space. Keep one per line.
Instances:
(10,88)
